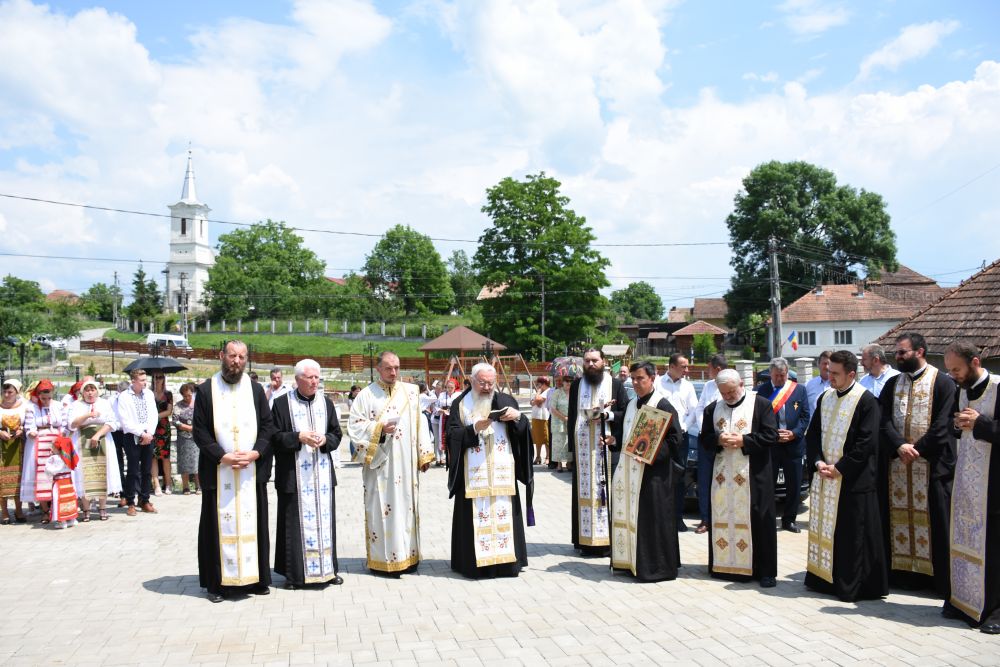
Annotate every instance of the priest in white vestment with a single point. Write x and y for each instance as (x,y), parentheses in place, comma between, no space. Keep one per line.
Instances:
(232,428)
(393,443)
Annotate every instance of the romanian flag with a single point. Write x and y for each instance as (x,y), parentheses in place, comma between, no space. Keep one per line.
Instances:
(793,338)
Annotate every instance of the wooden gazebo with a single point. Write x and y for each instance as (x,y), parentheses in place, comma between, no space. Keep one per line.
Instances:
(459,341)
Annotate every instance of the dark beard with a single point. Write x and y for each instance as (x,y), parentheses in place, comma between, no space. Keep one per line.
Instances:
(234,377)
(593,376)
(909,365)
(970,381)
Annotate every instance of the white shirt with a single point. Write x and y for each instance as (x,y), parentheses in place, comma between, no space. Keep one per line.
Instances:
(138,413)
(814,388)
(542,411)
(273,393)
(682,396)
(874,383)
(709,393)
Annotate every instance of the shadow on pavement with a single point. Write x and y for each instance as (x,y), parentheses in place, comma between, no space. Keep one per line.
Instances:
(186,584)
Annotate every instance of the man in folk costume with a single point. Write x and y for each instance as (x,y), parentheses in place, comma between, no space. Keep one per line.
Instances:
(845,557)
(232,428)
(790,404)
(597,405)
(393,443)
(306,437)
(644,531)
(490,451)
(741,429)
(916,467)
(975,498)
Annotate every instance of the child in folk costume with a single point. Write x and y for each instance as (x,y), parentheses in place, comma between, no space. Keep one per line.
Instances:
(60,468)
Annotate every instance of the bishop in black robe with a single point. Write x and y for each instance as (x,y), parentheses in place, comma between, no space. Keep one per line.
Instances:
(859,567)
(757,446)
(288,553)
(460,439)
(937,445)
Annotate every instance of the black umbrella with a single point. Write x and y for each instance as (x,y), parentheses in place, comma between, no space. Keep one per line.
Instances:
(161,364)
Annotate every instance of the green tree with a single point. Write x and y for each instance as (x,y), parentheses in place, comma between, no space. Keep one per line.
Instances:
(146,301)
(822,228)
(405,265)
(463,280)
(638,301)
(18,293)
(536,244)
(354,301)
(98,302)
(704,346)
(264,266)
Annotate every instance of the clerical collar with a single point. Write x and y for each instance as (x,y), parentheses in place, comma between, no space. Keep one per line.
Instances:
(387,388)
(642,400)
(841,394)
(984,375)
(916,374)
(305,399)
(737,403)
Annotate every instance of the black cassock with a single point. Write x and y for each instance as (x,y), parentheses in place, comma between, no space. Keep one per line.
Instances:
(203,430)
(621,400)
(463,539)
(288,558)
(859,567)
(938,447)
(988,430)
(757,445)
(657,552)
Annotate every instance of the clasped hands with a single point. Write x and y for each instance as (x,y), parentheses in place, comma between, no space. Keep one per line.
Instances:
(240,460)
(784,435)
(907,453)
(731,440)
(827,470)
(966,419)
(312,439)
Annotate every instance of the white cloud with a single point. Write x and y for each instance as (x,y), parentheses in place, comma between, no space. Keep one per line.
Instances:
(913,42)
(808,18)
(769,77)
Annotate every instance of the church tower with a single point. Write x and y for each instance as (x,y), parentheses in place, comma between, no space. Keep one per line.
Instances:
(190,254)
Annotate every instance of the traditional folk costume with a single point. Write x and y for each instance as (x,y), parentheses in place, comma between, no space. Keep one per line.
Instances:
(975,507)
(742,542)
(97,475)
(59,467)
(846,556)
(487,527)
(644,528)
(48,424)
(593,463)
(560,438)
(12,451)
(305,480)
(390,464)
(233,545)
(916,498)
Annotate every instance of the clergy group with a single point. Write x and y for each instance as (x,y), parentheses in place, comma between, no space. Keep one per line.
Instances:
(902,491)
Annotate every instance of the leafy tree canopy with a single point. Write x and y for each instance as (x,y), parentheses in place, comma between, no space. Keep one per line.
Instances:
(638,301)
(405,264)
(463,280)
(146,299)
(98,301)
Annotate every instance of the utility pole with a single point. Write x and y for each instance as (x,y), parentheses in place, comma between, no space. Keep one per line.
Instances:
(542,276)
(776,339)
(183,305)
(114,301)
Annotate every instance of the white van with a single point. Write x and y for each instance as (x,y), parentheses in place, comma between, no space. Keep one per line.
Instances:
(168,342)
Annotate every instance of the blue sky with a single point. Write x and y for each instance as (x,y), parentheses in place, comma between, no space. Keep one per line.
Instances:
(347,114)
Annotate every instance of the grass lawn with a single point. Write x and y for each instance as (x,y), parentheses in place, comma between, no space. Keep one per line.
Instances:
(94,324)
(314,346)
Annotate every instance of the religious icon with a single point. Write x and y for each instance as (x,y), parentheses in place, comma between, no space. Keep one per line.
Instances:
(647,434)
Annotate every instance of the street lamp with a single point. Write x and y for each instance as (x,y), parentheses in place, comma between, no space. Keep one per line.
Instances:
(371,361)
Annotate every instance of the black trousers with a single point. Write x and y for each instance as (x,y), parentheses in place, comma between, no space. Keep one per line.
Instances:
(119,438)
(789,458)
(140,462)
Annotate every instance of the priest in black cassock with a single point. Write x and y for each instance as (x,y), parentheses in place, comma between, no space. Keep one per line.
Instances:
(591,396)
(306,437)
(232,428)
(644,522)
(846,557)
(916,469)
(975,499)
(490,451)
(740,429)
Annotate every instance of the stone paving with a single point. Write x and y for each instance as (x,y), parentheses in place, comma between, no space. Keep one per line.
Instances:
(126,592)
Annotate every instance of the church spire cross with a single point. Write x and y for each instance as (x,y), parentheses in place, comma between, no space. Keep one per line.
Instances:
(188,193)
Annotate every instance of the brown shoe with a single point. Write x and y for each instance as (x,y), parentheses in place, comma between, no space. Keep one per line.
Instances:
(122,503)
(148,508)
(130,511)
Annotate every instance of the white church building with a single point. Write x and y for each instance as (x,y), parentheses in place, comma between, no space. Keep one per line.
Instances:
(191,256)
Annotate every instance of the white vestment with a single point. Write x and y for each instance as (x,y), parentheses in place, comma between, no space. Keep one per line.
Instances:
(591,471)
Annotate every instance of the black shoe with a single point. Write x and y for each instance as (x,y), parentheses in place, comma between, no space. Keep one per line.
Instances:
(949,611)
(990,628)
(216,598)
(261,590)
(682,527)
(289,586)
(790,527)
(337,580)
(768,582)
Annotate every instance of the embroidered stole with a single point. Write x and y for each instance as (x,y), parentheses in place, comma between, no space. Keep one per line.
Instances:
(235,422)
(592,516)
(909,485)
(489,483)
(836,413)
(732,545)
(625,487)
(64,504)
(968,509)
(313,470)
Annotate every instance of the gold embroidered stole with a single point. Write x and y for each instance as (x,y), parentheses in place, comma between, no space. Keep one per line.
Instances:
(732,546)
(592,516)
(625,487)
(836,413)
(909,485)
(489,483)
(235,425)
(969,511)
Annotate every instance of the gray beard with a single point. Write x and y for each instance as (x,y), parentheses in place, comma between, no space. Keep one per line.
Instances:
(232,379)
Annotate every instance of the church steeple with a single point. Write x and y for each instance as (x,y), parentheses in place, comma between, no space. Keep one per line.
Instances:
(191,256)
(188,194)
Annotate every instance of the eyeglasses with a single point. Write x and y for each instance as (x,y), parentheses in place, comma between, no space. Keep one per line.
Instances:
(484,385)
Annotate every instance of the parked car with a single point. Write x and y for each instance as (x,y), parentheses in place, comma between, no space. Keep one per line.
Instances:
(168,342)
(48,340)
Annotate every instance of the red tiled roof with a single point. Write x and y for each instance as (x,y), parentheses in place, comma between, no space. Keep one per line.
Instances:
(339,281)
(969,312)
(700,327)
(841,302)
(61,295)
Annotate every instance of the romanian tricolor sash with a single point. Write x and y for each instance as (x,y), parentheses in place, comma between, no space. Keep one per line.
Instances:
(781,395)
(968,509)
(732,544)
(235,422)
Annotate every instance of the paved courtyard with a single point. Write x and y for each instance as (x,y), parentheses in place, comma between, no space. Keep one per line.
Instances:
(126,592)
